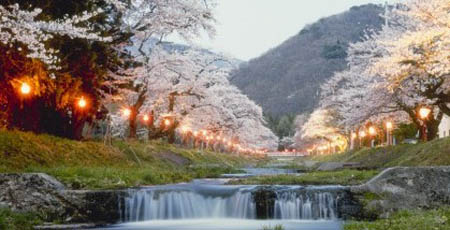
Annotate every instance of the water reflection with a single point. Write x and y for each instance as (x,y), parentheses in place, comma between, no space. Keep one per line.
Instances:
(228,224)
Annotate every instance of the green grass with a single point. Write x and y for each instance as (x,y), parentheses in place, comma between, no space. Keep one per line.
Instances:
(343,177)
(93,165)
(408,220)
(433,153)
(268,227)
(17,221)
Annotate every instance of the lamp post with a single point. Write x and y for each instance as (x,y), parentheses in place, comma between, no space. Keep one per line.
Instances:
(424,112)
(362,135)
(373,133)
(352,140)
(389,127)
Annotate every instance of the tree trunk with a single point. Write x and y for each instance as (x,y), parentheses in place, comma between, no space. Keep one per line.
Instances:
(134,113)
(133,124)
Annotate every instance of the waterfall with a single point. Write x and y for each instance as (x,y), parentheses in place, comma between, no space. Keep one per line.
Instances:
(202,202)
(178,204)
(294,205)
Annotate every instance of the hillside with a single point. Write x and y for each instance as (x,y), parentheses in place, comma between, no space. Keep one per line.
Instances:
(286,79)
(91,164)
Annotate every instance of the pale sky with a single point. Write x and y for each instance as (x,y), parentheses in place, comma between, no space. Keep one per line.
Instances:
(248,28)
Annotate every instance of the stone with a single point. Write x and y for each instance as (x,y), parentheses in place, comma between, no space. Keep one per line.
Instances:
(407,188)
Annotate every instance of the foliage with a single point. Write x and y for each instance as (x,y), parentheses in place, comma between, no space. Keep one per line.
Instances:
(408,220)
(10,220)
(405,131)
(336,51)
(282,126)
(58,48)
(343,177)
(92,164)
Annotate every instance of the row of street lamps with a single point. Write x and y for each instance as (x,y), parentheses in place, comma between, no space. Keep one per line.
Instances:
(202,135)
(25,89)
(423,114)
(204,138)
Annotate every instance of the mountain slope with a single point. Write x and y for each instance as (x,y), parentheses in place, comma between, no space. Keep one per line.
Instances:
(286,79)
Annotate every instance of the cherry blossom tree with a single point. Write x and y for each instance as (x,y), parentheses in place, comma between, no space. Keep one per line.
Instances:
(22,27)
(420,55)
(149,23)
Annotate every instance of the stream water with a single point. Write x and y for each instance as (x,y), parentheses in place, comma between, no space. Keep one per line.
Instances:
(212,205)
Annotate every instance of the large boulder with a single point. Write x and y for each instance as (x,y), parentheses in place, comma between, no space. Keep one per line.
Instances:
(44,195)
(406,188)
(35,192)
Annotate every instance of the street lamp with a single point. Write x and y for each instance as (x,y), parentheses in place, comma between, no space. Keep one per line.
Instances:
(25,88)
(373,133)
(82,103)
(362,135)
(126,112)
(389,127)
(424,113)
(167,122)
(146,118)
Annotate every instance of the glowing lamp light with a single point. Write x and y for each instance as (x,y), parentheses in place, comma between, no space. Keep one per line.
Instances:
(204,132)
(195,133)
(389,125)
(167,122)
(146,118)
(372,131)
(354,136)
(82,102)
(424,112)
(126,112)
(362,134)
(25,88)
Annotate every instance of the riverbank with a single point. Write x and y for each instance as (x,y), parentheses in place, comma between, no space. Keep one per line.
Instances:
(94,165)
(342,177)
(435,219)
(433,153)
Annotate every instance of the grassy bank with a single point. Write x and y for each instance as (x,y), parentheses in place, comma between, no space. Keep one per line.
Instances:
(91,164)
(408,220)
(343,177)
(432,153)
(17,221)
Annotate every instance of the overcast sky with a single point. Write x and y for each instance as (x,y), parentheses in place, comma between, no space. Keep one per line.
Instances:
(248,28)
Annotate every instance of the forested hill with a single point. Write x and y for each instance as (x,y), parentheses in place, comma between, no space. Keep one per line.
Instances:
(286,79)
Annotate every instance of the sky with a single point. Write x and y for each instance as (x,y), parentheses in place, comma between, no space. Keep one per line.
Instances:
(248,28)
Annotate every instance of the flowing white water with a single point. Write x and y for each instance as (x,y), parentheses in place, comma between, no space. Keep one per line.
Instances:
(292,205)
(202,201)
(188,204)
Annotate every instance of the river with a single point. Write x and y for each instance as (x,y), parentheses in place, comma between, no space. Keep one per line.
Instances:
(211,205)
